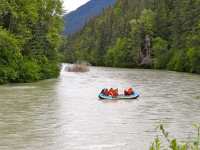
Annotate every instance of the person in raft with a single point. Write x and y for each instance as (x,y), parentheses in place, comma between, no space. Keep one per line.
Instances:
(105,92)
(111,92)
(128,91)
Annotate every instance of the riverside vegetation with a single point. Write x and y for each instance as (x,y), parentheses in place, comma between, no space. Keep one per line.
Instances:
(160,34)
(173,144)
(29,39)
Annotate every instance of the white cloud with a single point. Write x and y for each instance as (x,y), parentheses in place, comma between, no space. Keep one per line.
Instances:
(70,5)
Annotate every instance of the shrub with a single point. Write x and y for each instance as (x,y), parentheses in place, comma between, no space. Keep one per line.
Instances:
(194,60)
(161,54)
(179,61)
(7,74)
(49,70)
(173,144)
(29,71)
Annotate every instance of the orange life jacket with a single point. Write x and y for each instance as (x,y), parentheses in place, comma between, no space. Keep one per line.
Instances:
(110,92)
(115,92)
(130,91)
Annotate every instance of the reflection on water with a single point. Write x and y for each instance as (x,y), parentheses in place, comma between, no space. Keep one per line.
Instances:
(65,113)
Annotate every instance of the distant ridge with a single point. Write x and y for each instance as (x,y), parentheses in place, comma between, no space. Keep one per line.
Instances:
(75,20)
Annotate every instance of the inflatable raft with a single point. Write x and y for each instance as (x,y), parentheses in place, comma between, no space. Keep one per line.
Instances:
(120,97)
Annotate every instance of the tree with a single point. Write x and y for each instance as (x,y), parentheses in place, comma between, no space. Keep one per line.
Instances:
(9,56)
(121,55)
(160,53)
(162,32)
(29,39)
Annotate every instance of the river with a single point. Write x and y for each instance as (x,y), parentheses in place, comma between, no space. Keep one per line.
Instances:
(66,114)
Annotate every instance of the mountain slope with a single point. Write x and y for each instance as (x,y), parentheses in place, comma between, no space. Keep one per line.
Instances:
(141,33)
(75,20)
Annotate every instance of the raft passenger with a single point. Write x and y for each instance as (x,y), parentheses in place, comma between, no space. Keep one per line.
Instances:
(128,92)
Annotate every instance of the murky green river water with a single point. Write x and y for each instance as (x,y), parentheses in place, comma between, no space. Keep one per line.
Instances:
(65,113)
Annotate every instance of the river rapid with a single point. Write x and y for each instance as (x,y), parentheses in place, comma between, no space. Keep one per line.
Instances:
(66,114)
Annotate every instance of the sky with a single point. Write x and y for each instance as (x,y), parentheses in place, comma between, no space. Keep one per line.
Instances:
(70,5)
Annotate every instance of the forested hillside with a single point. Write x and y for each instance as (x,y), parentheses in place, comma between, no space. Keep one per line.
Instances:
(29,39)
(161,34)
(74,21)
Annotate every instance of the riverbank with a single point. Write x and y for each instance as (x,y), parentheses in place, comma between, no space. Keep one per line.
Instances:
(28,71)
(148,67)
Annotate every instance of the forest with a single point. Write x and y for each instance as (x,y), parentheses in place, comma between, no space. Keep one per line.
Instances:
(158,34)
(29,39)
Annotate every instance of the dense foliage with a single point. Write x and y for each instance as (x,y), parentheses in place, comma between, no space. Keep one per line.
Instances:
(161,34)
(29,39)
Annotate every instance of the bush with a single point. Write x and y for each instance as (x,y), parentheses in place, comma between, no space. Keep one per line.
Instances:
(9,48)
(7,74)
(179,61)
(29,71)
(37,69)
(194,60)
(9,57)
(49,70)
(160,52)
